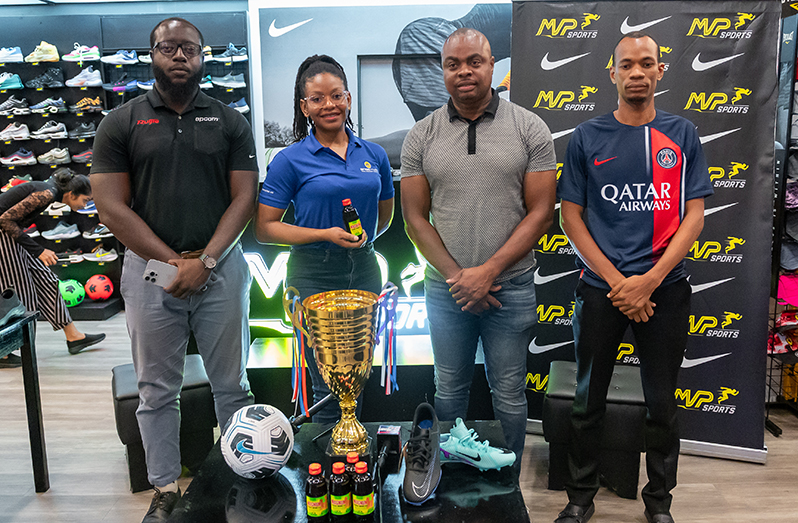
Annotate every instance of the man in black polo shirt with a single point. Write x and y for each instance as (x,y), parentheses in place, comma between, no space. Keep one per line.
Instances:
(174,178)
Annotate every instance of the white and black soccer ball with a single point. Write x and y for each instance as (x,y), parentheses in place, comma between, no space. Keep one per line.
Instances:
(257,441)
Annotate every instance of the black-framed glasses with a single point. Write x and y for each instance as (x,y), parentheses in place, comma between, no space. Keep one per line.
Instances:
(168,48)
(319,100)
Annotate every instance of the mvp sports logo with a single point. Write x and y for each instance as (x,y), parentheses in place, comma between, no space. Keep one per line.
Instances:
(567,100)
(725,178)
(719,102)
(555,244)
(536,382)
(569,27)
(735,27)
(711,251)
(705,325)
(706,401)
(555,314)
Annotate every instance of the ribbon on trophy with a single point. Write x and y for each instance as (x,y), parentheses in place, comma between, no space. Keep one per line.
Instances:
(299,397)
(389,298)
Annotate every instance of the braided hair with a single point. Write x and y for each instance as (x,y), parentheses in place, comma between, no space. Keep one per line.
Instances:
(312,66)
(68,180)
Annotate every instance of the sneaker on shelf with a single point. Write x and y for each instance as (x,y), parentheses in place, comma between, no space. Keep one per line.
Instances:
(70,256)
(82,53)
(49,105)
(147,86)
(87,105)
(240,106)
(16,180)
(207,53)
(121,57)
(84,157)
(88,77)
(124,84)
(89,209)
(206,82)
(461,446)
(15,131)
(101,231)
(112,109)
(83,130)
(232,54)
(10,55)
(62,231)
(44,52)
(145,58)
(50,130)
(14,106)
(10,81)
(51,78)
(55,156)
(422,457)
(230,80)
(21,157)
(56,209)
(100,254)
(32,231)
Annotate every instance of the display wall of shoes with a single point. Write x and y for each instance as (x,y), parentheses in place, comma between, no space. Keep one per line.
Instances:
(75,237)
(49,111)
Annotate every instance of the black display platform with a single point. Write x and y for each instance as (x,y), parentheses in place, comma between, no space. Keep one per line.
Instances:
(96,310)
(217,494)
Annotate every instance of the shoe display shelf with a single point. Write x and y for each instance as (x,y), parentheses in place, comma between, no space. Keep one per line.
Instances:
(226,94)
(35,121)
(127,76)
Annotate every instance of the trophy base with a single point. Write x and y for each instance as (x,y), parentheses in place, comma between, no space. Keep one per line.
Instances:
(366,455)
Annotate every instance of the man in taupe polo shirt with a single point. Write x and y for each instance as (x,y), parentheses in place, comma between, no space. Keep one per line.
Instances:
(478,188)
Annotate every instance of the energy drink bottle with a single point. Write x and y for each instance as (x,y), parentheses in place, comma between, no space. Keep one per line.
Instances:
(352,219)
(316,495)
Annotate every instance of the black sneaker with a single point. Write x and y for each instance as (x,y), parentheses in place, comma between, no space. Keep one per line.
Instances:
(84,130)
(163,503)
(10,306)
(12,361)
(53,77)
(422,456)
(78,345)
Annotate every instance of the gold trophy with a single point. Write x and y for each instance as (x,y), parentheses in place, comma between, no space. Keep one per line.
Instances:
(341,327)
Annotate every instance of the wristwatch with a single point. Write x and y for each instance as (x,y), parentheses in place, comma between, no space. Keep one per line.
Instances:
(208,261)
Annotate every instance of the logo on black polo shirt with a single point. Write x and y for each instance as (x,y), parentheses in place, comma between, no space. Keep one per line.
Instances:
(719,102)
(726,177)
(147,122)
(206,119)
(667,158)
(722,27)
(566,27)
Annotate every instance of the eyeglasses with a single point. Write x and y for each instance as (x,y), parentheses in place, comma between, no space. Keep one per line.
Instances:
(320,100)
(169,48)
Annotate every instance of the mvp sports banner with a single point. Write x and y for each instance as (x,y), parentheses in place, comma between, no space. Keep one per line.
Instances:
(721,74)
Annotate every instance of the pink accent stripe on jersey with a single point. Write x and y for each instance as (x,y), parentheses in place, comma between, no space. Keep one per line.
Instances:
(666,180)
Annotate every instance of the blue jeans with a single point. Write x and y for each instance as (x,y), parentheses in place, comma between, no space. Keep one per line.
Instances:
(505,334)
(159,326)
(312,271)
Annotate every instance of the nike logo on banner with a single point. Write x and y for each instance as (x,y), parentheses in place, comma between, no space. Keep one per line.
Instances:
(560,134)
(534,348)
(274,31)
(707,212)
(710,137)
(686,364)
(704,286)
(546,65)
(698,65)
(626,28)
(661,92)
(542,280)
(596,161)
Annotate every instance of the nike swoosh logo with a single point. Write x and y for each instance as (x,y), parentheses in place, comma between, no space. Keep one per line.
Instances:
(560,134)
(704,286)
(252,156)
(698,65)
(534,348)
(707,212)
(547,65)
(661,92)
(596,161)
(275,32)
(241,448)
(710,137)
(542,280)
(687,363)
(626,28)
(419,490)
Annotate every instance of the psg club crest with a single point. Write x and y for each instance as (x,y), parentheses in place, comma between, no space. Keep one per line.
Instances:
(666,158)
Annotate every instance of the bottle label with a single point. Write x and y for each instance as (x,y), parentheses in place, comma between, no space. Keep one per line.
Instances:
(363,505)
(341,505)
(355,227)
(317,507)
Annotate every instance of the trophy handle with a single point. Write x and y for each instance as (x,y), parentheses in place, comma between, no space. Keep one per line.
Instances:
(288,302)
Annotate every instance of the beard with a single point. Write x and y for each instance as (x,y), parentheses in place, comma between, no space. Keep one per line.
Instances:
(178,91)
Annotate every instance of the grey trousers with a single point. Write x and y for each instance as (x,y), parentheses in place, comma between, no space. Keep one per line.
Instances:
(159,326)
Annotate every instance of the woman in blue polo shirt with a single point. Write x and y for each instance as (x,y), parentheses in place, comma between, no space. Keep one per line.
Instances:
(323,167)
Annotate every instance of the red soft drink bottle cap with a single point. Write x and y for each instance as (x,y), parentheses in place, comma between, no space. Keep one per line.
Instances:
(352,457)
(361,467)
(338,467)
(314,469)
(346,202)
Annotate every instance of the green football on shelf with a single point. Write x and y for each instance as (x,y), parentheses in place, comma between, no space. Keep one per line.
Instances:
(72,292)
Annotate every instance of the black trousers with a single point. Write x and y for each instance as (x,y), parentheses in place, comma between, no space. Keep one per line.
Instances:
(659,344)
